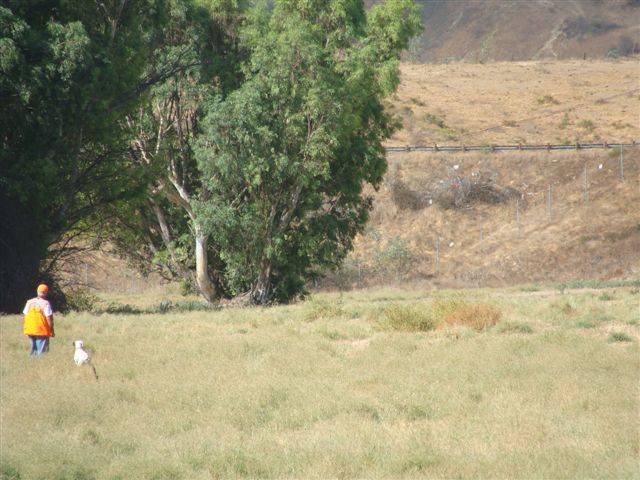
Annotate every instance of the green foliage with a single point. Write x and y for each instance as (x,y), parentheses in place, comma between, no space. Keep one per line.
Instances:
(411,318)
(395,258)
(7,472)
(619,337)
(81,300)
(180,307)
(100,104)
(67,75)
(284,157)
(318,308)
(593,318)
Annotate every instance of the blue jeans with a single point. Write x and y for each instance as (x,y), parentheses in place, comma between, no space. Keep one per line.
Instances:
(39,345)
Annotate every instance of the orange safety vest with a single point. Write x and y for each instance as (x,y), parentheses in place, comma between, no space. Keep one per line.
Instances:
(35,322)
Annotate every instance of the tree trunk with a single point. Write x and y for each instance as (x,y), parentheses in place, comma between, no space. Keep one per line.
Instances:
(261,291)
(205,285)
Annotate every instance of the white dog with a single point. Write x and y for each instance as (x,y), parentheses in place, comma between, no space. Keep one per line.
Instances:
(81,356)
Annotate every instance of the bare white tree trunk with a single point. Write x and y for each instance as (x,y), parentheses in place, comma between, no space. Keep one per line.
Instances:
(174,120)
(205,285)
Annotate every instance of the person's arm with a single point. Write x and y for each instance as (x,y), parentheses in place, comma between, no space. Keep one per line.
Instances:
(50,322)
(48,313)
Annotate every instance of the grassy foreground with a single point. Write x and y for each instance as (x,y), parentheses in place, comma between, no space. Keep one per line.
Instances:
(336,387)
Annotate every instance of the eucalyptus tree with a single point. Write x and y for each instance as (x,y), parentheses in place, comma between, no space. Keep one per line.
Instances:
(160,231)
(284,158)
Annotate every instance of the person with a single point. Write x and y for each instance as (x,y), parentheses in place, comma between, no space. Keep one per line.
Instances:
(38,321)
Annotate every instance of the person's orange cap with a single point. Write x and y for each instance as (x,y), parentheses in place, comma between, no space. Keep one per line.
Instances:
(42,288)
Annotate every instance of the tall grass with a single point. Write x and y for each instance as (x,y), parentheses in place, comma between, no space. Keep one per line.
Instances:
(284,393)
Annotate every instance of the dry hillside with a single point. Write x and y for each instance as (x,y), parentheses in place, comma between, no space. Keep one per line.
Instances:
(518,102)
(496,218)
(496,30)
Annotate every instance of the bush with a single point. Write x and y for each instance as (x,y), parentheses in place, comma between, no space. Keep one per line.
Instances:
(407,199)
(167,306)
(619,337)
(118,309)
(81,300)
(481,187)
(320,308)
(408,318)
(395,258)
(548,100)
(478,316)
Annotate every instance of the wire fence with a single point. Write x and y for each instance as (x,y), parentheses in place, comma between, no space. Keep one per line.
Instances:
(509,148)
(572,217)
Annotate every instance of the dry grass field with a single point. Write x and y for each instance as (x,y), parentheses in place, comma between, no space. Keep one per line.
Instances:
(519,102)
(374,384)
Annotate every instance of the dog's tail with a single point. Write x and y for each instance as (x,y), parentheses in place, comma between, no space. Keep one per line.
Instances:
(95,374)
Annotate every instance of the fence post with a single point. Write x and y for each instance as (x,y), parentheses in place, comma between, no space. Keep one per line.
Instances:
(549,203)
(518,215)
(437,254)
(621,164)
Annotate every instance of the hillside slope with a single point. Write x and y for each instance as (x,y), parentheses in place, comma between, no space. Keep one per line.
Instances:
(495,30)
(520,216)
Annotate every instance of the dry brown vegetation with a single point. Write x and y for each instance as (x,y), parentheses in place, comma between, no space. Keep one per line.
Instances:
(493,30)
(518,102)
(544,216)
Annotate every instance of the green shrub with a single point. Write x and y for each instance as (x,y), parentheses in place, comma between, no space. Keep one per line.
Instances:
(167,306)
(548,100)
(331,334)
(435,120)
(408,318)
(396,258)
(619,337)
(81,300)
(7,472)
(587,125)
(586,324)
(118,309)
(320,308)
(564,122)
(405,198)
